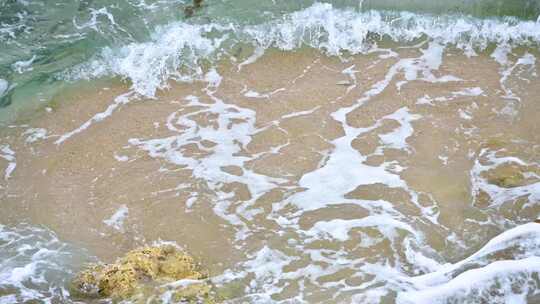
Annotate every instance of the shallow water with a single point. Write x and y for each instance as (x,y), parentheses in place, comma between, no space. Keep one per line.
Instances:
(321,164)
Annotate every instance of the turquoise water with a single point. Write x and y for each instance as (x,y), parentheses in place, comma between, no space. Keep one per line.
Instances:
(43,41)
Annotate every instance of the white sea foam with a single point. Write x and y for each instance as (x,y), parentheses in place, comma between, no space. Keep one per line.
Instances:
(267,267)
(507,68)
(478,275)
(475,91)
(34,134)
(35,266)
(233,132)
(118,101)
(4,86)
(489,160)
(500,281)
(95,22)
(116,220)
(466,92)
(174,52)
(463,114)
(255,94)
(121,158)
(329,184)
(9,155)
(177,50)
(339,229)
(397,139)
(259,51)
(23,65)
(332,178)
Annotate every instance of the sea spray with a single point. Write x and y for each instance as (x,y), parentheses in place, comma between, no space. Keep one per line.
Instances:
(177,51)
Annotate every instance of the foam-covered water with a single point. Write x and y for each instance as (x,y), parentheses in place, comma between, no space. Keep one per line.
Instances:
(35,265)
(177,51)
(150,42)
(313,153)
(483,275)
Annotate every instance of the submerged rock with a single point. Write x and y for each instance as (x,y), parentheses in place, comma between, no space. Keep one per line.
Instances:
(190,9)
(508,181)
(197,3)
(507,177)
(144,273)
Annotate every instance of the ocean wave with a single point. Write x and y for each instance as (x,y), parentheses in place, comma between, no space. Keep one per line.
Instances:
(505,270)
(35,265)
(180,50)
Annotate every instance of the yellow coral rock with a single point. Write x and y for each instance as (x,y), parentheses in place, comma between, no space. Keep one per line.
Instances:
(141,270)
(506,176)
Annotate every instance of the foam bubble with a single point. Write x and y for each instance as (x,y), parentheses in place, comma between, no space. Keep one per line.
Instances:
(4,86)
(116,220)
(121,158)
(8,155)
(23,65)
(339,229)
(34,134)
(397,139)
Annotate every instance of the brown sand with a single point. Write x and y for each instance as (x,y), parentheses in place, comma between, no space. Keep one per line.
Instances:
(73,187)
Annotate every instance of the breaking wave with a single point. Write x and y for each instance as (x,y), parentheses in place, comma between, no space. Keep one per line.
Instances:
(181,51)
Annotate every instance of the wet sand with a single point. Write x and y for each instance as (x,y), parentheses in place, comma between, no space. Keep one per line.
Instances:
(227,199)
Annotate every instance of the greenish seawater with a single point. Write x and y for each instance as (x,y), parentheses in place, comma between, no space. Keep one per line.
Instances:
(41,41)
